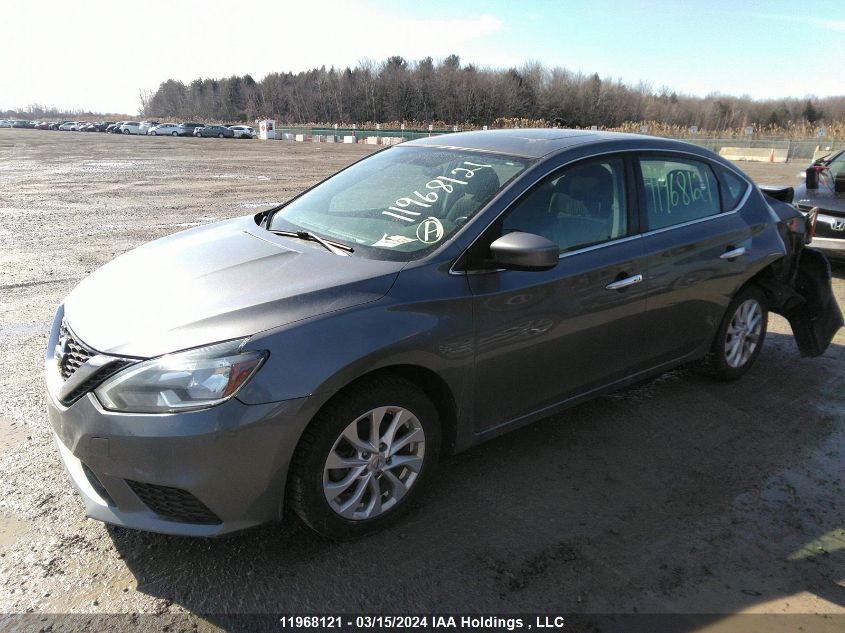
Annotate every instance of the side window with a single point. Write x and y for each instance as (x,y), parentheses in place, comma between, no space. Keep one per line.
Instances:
(582,205)
(836,167)
(733,188)
(678,190)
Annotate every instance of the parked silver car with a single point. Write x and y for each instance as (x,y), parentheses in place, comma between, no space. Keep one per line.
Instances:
(823,193)
(168,129)
(220,131)
(188,129)
(146,126)
(130,127)
(242,131)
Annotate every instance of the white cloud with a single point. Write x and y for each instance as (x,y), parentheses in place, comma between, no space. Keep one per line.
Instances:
(833,25)
(830,25)
(86,59)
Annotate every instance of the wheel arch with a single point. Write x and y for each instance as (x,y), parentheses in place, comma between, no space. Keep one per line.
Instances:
(430,382)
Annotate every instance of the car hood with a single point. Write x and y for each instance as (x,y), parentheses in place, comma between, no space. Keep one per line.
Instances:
(222,281)
(822,197)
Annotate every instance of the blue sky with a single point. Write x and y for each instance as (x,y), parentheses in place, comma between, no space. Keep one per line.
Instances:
(696,47)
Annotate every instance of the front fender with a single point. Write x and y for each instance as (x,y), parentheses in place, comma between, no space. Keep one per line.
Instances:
(319,356)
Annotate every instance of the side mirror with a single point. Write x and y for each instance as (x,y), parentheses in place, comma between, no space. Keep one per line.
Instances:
(524,251)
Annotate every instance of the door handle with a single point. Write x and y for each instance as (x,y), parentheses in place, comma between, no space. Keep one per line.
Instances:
(733,254)
(624,283)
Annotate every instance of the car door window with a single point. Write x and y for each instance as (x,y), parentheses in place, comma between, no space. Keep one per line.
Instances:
(678,190)
(835,167)
(582,205)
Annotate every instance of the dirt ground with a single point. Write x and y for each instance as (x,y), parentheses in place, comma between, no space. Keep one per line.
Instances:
(682,495)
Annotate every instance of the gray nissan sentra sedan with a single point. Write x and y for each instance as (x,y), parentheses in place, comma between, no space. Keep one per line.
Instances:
(323,354)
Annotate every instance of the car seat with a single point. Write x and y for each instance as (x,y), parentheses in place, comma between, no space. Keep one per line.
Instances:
(583,202)
(478,190)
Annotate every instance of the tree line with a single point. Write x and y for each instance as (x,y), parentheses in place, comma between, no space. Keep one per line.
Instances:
(448,92)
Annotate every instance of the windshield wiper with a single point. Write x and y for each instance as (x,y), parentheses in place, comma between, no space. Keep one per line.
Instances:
(334,247)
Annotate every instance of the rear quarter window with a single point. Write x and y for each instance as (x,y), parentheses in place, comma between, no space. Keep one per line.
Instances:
(733,188)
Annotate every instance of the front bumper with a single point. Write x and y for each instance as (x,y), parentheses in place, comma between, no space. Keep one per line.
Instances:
(153,472)
(832,247)
(830,227)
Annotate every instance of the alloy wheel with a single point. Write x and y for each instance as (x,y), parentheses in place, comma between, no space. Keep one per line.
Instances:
(374,462)
(743,334)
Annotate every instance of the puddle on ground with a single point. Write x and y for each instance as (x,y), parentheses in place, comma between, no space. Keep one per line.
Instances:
(11,434)
(11,530)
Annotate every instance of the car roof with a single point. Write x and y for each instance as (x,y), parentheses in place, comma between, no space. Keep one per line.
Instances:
(536,143)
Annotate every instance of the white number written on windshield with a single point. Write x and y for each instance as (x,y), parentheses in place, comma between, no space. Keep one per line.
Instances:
(404,207)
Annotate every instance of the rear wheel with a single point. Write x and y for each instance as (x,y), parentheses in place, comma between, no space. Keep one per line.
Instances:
(153,133)
(220,135)
(740,336)
(174,134)
(365,458)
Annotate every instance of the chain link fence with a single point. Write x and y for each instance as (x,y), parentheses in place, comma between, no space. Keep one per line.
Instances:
(801,149)
(361,135)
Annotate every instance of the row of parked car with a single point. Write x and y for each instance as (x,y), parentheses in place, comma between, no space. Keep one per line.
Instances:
(151,128)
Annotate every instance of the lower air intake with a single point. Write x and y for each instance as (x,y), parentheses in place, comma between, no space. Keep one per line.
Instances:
(174,504)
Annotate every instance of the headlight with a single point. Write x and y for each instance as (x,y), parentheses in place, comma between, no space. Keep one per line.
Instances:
(196,379)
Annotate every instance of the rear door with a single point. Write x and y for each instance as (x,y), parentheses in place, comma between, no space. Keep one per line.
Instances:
(697,246)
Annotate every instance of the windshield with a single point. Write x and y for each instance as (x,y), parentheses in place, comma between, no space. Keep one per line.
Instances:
(405,200)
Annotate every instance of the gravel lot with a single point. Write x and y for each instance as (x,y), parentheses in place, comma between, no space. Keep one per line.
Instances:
(678,496)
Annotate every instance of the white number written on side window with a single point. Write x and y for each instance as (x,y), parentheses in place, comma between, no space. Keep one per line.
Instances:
(404,208)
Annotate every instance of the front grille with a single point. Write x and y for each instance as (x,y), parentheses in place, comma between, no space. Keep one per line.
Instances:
(823,229)
(173,503)
(77,352)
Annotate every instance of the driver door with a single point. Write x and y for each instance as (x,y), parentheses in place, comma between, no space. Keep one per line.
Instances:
(542,338)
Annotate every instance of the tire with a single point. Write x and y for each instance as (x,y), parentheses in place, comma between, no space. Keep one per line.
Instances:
(372,492)
(126,131)
(174,134)
(220,135)
(740,336)
(152,134)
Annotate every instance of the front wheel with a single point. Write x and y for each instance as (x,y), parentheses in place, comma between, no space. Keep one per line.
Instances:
(174,134)
(152,133)
(740,336)
(365,458)
(220,135)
